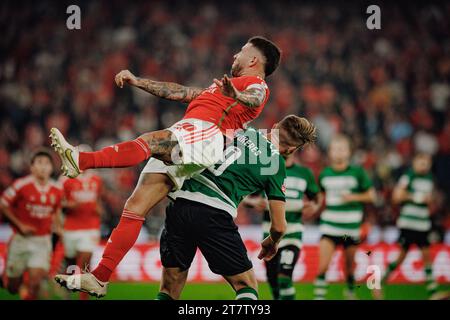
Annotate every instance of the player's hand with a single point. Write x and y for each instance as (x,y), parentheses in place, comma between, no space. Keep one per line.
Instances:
(125,76)
(310,208)
(226,87)
(428,198)
(26,230)
(269,249)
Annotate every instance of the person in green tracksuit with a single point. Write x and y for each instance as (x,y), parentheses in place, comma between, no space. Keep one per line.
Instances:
(414,193)
(346,188)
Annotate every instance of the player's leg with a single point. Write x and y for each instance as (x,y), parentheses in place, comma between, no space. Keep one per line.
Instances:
(223,248)
(188,142)
(405,240)
(272,270)
(16,263)
(172,283)
(326,250)
(38,264)
(431,284)
(349,253)
(35,277)
(13,284)
(244,284)
(83,260)
(177,248)
(151,188)
(288,258)
(157,144)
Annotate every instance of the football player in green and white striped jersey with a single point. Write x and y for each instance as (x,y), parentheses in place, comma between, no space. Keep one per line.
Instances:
(346,188)
(414,193)
(300,181)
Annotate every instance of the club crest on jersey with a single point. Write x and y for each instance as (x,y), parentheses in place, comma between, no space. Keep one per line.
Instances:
(43,198)
(52,199)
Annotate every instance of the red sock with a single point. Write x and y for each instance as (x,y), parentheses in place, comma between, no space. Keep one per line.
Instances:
(124,154)
(119,243)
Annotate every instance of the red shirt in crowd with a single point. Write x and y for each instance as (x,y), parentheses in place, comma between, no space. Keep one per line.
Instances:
(34,204)
(84,191)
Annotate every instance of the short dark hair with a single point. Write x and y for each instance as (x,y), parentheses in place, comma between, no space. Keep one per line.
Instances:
(41,152)
(270,51)
(300,130)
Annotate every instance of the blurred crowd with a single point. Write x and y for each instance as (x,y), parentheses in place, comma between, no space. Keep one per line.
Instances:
(388,89)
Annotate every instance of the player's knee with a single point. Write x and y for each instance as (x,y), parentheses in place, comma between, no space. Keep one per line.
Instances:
(134,204)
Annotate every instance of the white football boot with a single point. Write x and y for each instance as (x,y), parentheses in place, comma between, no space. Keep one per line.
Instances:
(84,282)
(69,154)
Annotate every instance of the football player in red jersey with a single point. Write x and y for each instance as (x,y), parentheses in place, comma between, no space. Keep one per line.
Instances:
(30,204)
(189,146)
(82,211)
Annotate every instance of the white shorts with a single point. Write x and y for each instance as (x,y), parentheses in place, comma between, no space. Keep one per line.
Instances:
(80,241)
(200,144)
(28,252)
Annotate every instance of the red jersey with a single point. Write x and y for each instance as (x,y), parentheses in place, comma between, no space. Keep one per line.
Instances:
(212,106)
(34,204)
(85,192)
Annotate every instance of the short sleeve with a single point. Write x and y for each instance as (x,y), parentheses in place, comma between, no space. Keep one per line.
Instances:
(365,183)
(403,181)
(10,195)
(311,188)
(275,185)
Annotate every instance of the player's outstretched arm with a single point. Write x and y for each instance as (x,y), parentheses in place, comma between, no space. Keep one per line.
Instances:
(166,90)
(252,97)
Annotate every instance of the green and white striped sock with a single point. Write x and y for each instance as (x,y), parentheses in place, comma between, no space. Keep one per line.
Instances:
(246,293)
(320,287)
(287,290)
(431,285)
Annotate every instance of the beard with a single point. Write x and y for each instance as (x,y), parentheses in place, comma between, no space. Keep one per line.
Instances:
(235,69)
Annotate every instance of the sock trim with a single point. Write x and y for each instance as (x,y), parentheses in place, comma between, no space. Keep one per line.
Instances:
(141,143)
(287,292)
(131,215)
(247,294)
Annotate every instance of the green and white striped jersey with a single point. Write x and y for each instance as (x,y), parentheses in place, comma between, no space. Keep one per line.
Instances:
(339,218)
(250,164)
(415,215)
(299,181)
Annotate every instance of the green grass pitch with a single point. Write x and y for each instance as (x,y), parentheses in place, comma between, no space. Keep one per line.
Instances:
(222,291)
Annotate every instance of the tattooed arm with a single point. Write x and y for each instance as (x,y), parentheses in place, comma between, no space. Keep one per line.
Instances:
(166,90)
(252,97)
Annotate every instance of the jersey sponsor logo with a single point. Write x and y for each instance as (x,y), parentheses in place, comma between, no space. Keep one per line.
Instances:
(39,211)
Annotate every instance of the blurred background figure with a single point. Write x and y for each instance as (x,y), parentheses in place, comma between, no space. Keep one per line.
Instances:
(82,213)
